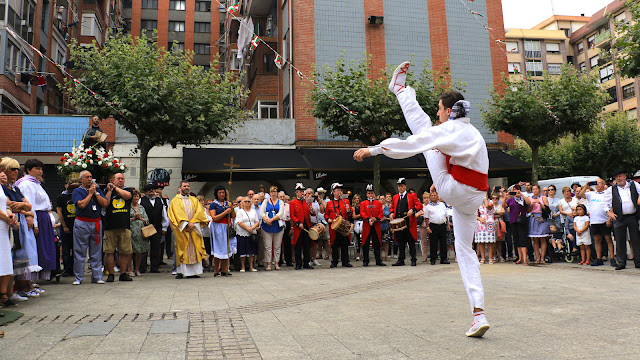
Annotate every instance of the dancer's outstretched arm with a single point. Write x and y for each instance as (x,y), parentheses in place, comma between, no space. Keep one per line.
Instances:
(416,118)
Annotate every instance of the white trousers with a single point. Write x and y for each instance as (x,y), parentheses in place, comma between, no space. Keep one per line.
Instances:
(464,199)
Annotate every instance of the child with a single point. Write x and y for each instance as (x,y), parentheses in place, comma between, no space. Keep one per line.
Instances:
(556,238)
(581,225)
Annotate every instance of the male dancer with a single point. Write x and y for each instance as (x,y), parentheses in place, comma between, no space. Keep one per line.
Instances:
(372,214)
(457,158)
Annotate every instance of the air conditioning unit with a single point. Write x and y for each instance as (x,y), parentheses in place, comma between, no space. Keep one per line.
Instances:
(23,22)
(30,29)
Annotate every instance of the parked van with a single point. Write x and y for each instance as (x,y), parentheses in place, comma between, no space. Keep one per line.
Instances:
(559,183)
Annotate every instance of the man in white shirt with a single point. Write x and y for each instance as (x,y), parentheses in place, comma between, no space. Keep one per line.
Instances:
(458,161)
(317,216)
(623,203)
(435,216)
(286,237)
(599,201)
(158,218)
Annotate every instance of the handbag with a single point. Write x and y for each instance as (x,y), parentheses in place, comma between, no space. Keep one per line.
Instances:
(149,231)
(420,220)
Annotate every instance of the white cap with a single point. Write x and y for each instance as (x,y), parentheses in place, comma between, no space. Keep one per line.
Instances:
(335,185)
(299,186)
(369,187)
(402,181)
(321,190)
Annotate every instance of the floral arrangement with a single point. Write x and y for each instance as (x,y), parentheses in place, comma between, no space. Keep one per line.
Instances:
(96,160)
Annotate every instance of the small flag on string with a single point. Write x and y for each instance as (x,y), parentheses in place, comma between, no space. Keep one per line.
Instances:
(278,61)
(42,81)
(234,9)
(477,13)
(488,28)
(501,41)
(76,82)
(254,42)
(299,74)
(36,50)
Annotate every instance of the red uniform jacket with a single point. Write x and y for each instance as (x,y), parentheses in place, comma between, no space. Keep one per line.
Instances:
(331,213)
(377,213)
(299,212)
(413,203)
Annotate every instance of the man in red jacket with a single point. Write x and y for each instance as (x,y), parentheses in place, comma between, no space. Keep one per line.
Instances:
(372,213)
(300,221)
(406,205)
(337,206)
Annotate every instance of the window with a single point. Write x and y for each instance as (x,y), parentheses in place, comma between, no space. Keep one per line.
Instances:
(177,5)
(149,4)
(534,67)
(620,18)
(201,49)
(591,40)
(202,27)
(594,61)
(514,68)
(512,46)
(91,27)
(148,24)
(555,69)
(553,48)
(176,46)
(580,48)
(567,32)
(606,74)
(234,61)
(628,91)
(126,4)
(203,6)
(176,26)
(532,49)
(267,110)
(582,66)
(613,95)
(269,64)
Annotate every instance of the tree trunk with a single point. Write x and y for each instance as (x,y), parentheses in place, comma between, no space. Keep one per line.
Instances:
(376,175)
(144,153)
(534,163)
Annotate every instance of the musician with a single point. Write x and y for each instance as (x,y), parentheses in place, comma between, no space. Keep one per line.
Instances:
(406,205)
(90,138)
(301,223)
(372,214)
(337,206)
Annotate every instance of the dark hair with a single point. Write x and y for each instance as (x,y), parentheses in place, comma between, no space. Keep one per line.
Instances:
(582,207)
(449,98)
(217,189)
(32,163)
(184,182)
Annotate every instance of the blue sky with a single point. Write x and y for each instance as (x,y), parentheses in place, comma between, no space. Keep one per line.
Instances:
(528,13)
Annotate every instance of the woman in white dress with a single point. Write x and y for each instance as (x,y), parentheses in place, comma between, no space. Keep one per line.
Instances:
(486,231)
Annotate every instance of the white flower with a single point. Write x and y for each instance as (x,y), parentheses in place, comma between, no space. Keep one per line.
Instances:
(121,167)
(84,166)
(90,161)
(99,162)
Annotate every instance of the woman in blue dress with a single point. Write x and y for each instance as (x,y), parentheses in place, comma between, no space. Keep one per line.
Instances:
(222,247)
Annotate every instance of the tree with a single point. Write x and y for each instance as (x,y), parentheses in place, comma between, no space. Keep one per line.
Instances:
(160,96)
(613,143)
(378,114)
(554,157)
(540,112)
(628,42)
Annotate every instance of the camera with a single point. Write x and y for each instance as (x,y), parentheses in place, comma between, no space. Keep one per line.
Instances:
(512,193)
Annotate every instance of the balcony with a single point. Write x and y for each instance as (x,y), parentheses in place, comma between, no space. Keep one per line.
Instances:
(259,8)
(603,39)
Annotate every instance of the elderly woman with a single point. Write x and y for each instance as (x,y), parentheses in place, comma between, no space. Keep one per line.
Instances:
(247,228)
(271,212)
(32,190)
(27,255)
(222,213)
(139,219)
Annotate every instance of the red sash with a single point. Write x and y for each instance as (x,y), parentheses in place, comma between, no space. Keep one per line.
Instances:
(468,177)
(95,221)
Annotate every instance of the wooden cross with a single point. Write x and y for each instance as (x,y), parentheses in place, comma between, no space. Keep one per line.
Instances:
(231,165)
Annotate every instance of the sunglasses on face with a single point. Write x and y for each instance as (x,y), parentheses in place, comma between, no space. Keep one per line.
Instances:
(14,169)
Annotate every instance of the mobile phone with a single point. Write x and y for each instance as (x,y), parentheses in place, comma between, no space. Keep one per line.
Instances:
(592,183)
(512,193)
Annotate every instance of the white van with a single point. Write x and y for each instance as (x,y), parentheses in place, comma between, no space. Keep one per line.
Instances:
(559,183)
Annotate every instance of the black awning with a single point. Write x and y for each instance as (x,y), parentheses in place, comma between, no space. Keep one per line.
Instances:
(278,164)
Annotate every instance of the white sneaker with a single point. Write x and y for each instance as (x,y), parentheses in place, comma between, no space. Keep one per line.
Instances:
(316,262)
(399,77)
(242,270)
(16,298)
(174,273)
(39,291)
(30,293)
(478,328)
(76,282)
(100,282)
(116,269)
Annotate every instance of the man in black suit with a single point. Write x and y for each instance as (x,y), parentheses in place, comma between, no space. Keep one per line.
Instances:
(158,218)
(624,211)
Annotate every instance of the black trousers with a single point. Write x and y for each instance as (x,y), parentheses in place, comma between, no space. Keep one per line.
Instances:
(372,238)
(340,245)
(438,240)
(67,250)
(168,246)
(155,251)
(620,227)
(405,238)
(303,249)
(286,244)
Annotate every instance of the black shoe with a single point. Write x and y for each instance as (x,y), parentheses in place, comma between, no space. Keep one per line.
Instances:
(413,262)
(110,278)
(299,267)
(620,267)
(155,271)
(193,277)
(445,261)
(365,264)
(333,265)
(346,265)
(433,262)
(214,275)
(613,263)
(637,266)
(398,263)
(289,264)
(380,263)
(143,271)
(180,276)
(125,277)
(163,263)
(307,266)
(67,274)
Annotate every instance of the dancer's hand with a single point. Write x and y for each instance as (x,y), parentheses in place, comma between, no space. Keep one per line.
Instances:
(360,154)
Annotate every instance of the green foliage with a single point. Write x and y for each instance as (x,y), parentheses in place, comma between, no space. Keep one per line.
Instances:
(378,113)
(161,96)
(628,42)
(575,100)
(553,157)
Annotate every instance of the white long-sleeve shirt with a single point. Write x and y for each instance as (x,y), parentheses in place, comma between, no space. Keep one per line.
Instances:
(165,217)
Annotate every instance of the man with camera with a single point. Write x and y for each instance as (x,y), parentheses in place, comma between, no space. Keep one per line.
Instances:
(117,223)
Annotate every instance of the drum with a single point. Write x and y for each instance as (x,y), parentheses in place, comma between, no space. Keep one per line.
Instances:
(317,231)
(342,226)
(101,136)
(397,224)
